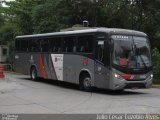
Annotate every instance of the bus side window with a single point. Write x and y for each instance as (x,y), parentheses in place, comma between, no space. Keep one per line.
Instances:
(44,45)
(100,51)
(58,42)
(85,43)
(53,49)
(55,44)
(82,49)
(69,44)
(52,45)
(17,45)
(34,45)
(24,45)
(74,48)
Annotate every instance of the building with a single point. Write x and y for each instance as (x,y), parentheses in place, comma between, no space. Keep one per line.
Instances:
(4,52)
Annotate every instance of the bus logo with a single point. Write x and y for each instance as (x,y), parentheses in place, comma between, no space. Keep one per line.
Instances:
(85,61)
(58,58)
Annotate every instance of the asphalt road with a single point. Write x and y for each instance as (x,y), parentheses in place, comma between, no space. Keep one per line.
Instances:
(19,94)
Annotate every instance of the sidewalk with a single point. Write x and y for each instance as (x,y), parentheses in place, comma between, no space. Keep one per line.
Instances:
(156,85)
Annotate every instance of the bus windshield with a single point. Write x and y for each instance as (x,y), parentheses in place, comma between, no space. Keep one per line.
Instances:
(131,52)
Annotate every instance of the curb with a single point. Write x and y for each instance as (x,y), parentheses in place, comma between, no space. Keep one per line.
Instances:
(156,86)
(11,72)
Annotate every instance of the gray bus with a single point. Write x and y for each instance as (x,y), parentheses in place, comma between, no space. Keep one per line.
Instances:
(106,58)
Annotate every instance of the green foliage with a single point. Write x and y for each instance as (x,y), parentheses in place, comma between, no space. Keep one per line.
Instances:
(1,20)
(1,16)
(156,63)
(51,16)
(20,13)
(7,33)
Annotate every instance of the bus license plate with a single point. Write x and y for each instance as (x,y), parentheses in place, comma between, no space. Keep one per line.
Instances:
(142,77)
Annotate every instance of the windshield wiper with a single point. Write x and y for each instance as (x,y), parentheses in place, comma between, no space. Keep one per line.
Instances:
(143,61)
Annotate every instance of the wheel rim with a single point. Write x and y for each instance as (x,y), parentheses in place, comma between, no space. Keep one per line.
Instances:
(87,83)
(33,74)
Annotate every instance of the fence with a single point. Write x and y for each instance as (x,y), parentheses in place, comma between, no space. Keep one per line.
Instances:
(8,67)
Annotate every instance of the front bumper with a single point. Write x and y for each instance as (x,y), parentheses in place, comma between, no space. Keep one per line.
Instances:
(119,84)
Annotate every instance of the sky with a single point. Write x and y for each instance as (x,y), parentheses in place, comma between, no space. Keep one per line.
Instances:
(7,1)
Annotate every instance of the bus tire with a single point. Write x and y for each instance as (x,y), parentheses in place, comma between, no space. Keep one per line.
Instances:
(85,83)
(119,91)
(33,73)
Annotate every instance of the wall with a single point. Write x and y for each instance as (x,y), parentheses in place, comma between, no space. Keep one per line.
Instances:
(3,57)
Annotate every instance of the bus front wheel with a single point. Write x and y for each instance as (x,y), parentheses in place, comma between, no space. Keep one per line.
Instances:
(33,73)
(85,83)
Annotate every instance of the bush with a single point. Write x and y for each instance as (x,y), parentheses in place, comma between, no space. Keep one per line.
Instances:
(156,65)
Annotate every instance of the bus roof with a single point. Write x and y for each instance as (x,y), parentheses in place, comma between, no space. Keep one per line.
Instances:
(90,30)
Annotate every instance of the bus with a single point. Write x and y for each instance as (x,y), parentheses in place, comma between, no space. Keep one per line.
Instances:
(107,58)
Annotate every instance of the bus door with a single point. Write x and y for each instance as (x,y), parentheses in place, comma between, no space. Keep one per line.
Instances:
(101,71)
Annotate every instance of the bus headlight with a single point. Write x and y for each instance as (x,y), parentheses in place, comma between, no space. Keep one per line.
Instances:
(117,76)
(151,75)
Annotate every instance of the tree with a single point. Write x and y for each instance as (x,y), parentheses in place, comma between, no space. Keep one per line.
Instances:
(7,36)
(1,15)
(156,63)
(86,10)
(51,16)
(20,11)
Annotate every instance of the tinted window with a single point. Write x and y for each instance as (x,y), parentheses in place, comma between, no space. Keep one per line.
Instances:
(34,45)
(69,44)
(5,51)
(85,43)
(55,44)
(17,45)
(44,45)
(100,51)
(24,45)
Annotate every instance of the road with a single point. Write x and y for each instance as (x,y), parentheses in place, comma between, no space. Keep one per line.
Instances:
(19,94)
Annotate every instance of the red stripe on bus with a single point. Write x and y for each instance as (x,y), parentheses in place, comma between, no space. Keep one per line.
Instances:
(43,71)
